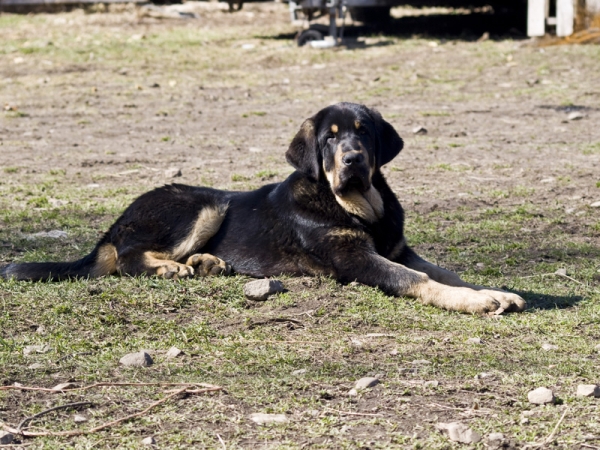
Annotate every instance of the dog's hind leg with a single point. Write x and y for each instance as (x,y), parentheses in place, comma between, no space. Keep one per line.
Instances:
(152,263)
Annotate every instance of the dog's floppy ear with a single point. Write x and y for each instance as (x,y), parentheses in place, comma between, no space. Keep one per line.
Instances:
(390,143)
(303,153)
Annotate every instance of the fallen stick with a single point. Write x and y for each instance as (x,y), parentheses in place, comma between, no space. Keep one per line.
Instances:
(550,437)
(351,413)
(95,385)
(46,411)
(108,424)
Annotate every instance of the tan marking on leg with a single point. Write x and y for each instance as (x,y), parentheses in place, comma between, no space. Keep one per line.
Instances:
(508,301)
(206,265)
(334,128)
(206,226)
(106,261)
(160,264)
(452,298)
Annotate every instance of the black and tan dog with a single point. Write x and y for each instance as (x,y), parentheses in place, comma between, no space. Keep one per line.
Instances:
(335,215)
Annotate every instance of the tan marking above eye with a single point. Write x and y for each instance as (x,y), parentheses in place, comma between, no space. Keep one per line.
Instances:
(334,128)
(357,124)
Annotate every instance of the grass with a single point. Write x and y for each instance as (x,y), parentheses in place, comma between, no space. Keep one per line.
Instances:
(513,233)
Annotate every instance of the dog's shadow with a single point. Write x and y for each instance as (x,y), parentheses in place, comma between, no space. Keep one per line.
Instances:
(537,301)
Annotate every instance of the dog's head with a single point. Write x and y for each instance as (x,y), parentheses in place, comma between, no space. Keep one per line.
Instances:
(346,144)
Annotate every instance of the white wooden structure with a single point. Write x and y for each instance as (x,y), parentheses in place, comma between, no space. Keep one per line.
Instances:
(538,15)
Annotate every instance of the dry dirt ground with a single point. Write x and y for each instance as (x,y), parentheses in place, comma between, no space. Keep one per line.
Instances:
(98,105)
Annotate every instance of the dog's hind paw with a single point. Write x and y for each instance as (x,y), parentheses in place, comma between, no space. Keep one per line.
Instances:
(207,265)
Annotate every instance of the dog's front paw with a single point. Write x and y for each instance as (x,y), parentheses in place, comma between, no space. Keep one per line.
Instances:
(207,265)
(175,271)
(509,302)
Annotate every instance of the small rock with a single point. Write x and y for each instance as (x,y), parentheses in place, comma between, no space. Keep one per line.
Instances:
(419,130)
(588,390)
(597,347)
(148,441)
(36,349)
(562,272)
(495,440)
(261,418)
(595,205)
(362,384)
(261,289)
(475,341)
(63,386)
(299,372)
(459,432)
(6,437)
(431,384)
(78,418)
(549,347)
(485,376)
(255,150)
(139,359)
(174,352)
(394,352)
(524,421)
(35,366)
(356,342)
(173,172)
(541,396)
(575,115)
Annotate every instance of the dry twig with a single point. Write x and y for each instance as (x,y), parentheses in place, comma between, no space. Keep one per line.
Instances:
(550,437)
(56,408)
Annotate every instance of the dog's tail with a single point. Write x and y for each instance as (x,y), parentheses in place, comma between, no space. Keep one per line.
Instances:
(101,261)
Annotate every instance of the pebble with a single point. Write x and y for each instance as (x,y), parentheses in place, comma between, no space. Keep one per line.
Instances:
(261,289)
(475,341)
(6,437)
(148,441)
(431,384)
(597,347)
(174,352)
(261,418)
(362,384)
(485,376)
(36,349)
(419,130)
(420,362)
(459,432)
(549,347)
(541,396)
(173,172)
(299,372)
(255,150)
(575,115)
(595,205)
(139,359)
(78,418)
(35,366)
(562,272)
(495,440)
(588,390)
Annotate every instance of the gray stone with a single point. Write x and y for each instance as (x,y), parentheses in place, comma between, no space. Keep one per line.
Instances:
(431,384)
(261,418)
(595,205)
(485,376)
(549,347)
(174,352)
(78,418)
(6,437)
(362,384)
(459,432)
(139,359)
(495,440)
(541,396)
(173,172)
(575,115)
(36,366)
(474,341)
(421,362)
(597,347)
(588,390)
(260,290)
(419,130)
(299,372)
(562,272)
(148,441)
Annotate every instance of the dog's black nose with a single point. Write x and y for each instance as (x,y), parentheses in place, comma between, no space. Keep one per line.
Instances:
(352,158)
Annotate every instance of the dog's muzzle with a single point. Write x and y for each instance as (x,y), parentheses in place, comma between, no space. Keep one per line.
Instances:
(354,173)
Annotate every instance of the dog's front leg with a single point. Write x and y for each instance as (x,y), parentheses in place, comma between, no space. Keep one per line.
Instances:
(509,302)
(393,278)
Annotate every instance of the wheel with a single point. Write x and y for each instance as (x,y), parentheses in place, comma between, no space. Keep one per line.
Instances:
(309,35)
(371,15)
